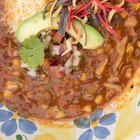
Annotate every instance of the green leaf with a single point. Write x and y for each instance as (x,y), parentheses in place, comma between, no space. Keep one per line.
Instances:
(32,52)
(138,103)
(19,137)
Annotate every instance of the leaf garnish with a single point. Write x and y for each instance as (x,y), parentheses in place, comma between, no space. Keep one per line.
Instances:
(32,52)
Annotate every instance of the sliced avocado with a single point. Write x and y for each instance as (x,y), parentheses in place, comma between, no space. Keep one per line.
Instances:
(90,37)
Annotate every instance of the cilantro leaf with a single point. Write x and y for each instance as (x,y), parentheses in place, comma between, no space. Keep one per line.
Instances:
(32,52)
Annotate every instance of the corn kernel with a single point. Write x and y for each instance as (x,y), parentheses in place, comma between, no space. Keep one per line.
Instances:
(16,63)
(129,49)
(98,99)
(87,108)
(59,114)
(99,51)
(84,76)
(8,93)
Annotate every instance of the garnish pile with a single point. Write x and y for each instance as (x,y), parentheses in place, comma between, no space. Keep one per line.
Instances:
(45,56)
(55,52)
(95,12)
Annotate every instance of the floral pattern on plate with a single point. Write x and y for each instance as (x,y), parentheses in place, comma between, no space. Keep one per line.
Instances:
(11,121)
(98,126)
(95,125)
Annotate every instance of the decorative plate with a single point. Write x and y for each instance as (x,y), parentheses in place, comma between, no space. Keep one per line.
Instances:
(121,125)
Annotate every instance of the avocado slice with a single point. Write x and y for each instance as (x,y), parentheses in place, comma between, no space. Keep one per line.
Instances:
(90,37)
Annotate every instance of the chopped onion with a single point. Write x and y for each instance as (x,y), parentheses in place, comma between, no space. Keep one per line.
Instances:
(74,48)
(76,58)
(32,73)
(68,64)
(24,65)
(56,49)
(69,46)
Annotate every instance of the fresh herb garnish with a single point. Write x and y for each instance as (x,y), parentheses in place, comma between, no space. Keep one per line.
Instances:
(32,52)
(73,67)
